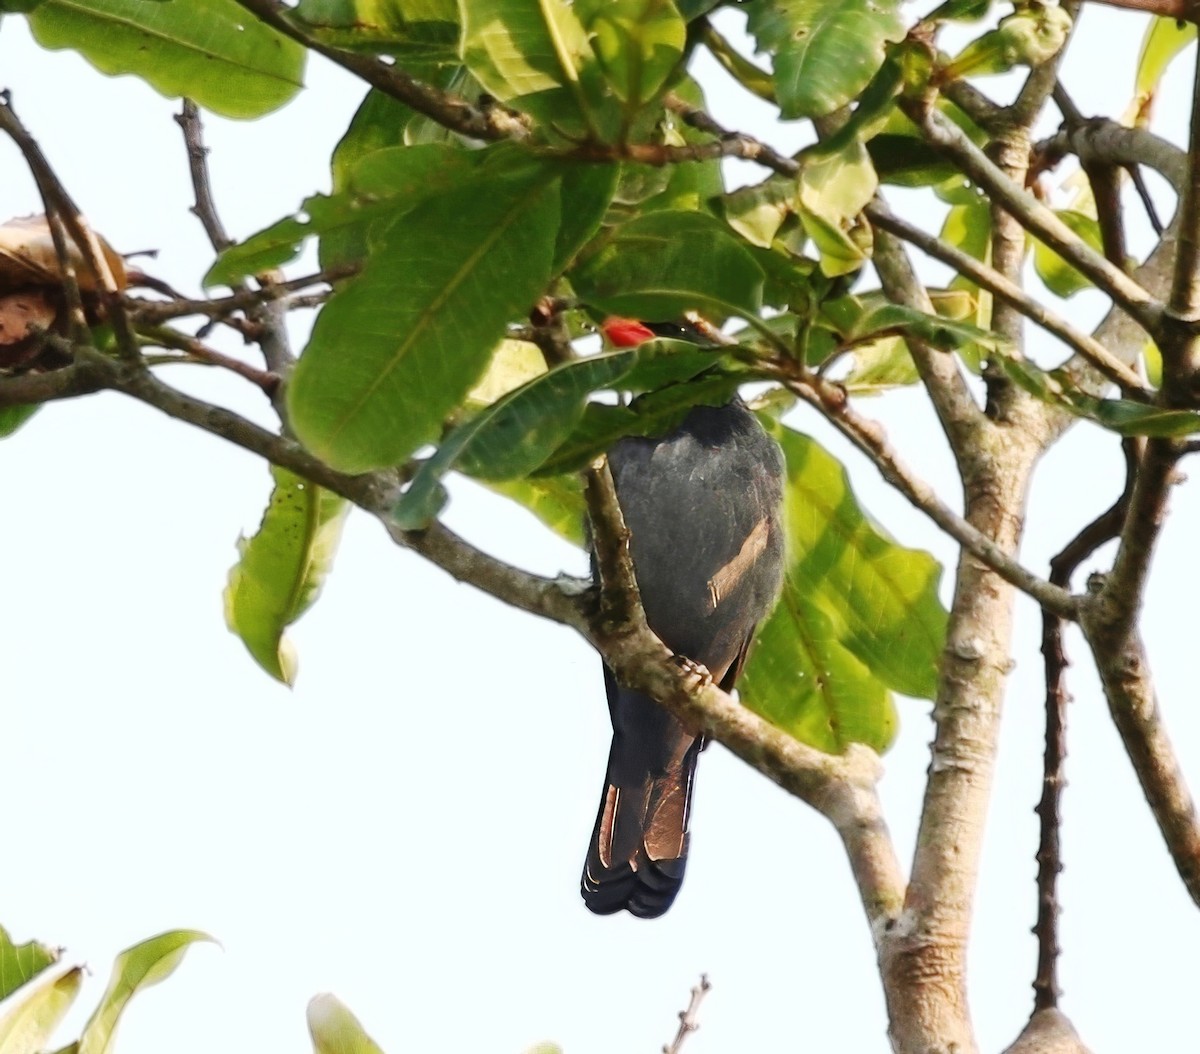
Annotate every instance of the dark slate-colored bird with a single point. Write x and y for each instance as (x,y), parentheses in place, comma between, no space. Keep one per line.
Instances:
(702,505)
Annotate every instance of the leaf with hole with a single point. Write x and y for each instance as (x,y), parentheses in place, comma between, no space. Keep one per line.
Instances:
(282,568)
(825,51)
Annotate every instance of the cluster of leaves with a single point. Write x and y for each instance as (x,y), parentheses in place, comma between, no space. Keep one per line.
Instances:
(454,240)
(36,993)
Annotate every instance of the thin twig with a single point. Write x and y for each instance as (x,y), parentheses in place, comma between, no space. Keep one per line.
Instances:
(198,351)
(1008,291)
(152,312)
(869,437)
(59,203)
(1049,855)
(272,335)
(205,208)
(740,145)
(688,1022)
(447,109)
(1036,217)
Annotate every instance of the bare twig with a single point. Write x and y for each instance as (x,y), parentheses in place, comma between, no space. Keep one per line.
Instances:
(198,351)
(738,143)
(1011,293)
(1049,855)
(1125,673)
(205,209)
(152,312)
(688,1022)
(869,437)
(265,315)
(1035,217)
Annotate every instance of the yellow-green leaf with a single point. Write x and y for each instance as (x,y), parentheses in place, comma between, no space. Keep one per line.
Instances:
(282,569)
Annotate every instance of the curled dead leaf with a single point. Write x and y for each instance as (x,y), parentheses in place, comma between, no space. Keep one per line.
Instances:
(23,317)
(27,258)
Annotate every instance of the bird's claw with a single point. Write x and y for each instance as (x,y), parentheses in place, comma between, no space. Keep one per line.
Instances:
(695,673)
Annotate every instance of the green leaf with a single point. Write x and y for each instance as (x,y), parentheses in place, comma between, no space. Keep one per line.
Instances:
(13,417)
(282,569)
(666,263)
(1165,38)
(382,186)
(757,212)
(537,56)
(555,500)
(515,435)
(1031,35)
(135,969)
(638,43)
(859,615)
(654,413)
(587,191)
(335,1030)
(1123,416)
(214,52)
(1060,277)
(398,347)
(425,30)
(826,51)
(28,1019)
(21,962)
(833,190)
(864,319)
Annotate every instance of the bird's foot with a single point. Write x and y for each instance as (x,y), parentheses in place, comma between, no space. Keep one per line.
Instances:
(695,673)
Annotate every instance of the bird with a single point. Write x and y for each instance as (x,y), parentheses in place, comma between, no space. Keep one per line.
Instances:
(703,507)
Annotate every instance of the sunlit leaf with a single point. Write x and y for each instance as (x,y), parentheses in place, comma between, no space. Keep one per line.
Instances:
(555,500)
(423,29)
(29,1018)
(535,55)
(398,347)
(826,51)
(21,962)
(214,52)
(335,1030)
(1165,38)
(666,263)
(282,568)
(1062,278)
(135,969)
(637,42)
(1123,416)
(859,615)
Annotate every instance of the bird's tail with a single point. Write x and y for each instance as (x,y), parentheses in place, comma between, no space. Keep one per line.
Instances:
(639,847)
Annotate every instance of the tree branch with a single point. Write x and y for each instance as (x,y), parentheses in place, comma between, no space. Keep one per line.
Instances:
(940,373)
(869,437)
(449,110)
(1129,688)
(1035,217)
(688,1022)
(1088,347)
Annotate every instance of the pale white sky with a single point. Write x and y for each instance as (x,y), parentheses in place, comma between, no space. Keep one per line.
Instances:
(406,827)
